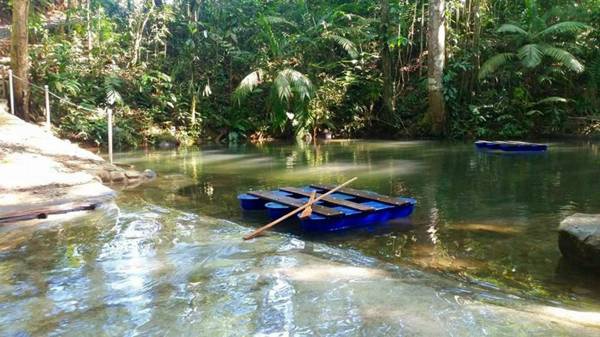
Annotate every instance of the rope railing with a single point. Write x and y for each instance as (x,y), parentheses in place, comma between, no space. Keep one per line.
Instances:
(64,100)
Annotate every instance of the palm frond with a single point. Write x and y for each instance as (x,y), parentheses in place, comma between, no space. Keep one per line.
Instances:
(530,55)
(563,27)
(343,42)
(301,84)
(493,63)
(290,82)
(563,57)
(279,20)
(267,31)
(283,87)
(510,28)
(248,84)
(551,99)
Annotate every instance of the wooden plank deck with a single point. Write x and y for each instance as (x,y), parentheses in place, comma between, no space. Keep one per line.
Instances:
(322,210)
(361,194)
(331,200)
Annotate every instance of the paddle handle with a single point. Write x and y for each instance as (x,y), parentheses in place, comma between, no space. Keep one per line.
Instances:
(309,203)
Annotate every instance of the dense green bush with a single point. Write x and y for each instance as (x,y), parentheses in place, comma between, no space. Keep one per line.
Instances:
(248,68)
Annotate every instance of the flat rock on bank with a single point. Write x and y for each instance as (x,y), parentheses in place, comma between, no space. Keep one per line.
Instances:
(42,174)
(579,239)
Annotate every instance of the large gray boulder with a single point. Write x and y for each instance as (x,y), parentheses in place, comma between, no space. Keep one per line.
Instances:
(579,239)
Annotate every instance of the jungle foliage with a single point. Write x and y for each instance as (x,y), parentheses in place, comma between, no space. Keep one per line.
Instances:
(198,69)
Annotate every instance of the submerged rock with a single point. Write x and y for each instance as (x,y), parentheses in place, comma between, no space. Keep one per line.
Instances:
(149,174)
(579,239)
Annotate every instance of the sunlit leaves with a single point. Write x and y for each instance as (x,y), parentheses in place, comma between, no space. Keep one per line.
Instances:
(247,85)
(539,41)
(290,83)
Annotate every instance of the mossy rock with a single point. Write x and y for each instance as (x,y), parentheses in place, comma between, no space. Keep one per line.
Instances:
(579,239)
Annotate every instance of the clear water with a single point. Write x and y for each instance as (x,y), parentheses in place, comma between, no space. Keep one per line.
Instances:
(478,257)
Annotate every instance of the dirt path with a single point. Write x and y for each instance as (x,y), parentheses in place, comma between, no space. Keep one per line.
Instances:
(42,174)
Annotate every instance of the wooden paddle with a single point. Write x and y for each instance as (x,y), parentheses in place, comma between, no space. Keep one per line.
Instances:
(308,210)
(308,204)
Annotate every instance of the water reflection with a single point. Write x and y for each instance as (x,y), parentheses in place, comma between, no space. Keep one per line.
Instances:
(480,216)
(156,271)
(486,223)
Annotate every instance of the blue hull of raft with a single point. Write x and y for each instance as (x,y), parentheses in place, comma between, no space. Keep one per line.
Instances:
(510,146)
(382,212)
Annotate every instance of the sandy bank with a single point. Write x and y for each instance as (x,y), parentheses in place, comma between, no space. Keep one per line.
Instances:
(41,174)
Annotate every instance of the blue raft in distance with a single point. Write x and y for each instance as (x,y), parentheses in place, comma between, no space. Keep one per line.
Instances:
(510,146)
(344,209)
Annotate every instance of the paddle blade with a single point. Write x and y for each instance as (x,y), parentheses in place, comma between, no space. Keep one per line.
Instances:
(308,210)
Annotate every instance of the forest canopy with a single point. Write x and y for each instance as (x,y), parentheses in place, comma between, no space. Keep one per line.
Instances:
(250,69)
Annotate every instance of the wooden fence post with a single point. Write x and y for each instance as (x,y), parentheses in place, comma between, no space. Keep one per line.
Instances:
(110,135)
(47,97)
(11,91)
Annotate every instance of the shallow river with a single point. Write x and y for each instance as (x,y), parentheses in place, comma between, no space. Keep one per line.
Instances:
(478,257)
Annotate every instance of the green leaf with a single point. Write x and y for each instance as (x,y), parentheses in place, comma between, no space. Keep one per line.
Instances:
(563,27)
(283,87)
(510,28)
(279,20)
(493,63)
(247,85)
(343,42)
(551,99)
(563,57)
(530,55)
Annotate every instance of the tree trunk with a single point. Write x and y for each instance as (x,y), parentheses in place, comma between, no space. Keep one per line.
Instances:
(435,66)
(19,57)
(139,35)
(89,28)
(386,63)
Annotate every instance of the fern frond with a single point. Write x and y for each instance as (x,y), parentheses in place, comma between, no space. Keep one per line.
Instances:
(551,99)
(279,20)
(530,55)
(563,27)
(248,84)
(301,84)
(283,87)
(563,57)
(343,42)
(510,28)
(493,63)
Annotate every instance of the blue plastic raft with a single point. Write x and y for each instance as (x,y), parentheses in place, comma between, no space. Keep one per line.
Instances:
(344,209)
(510,146)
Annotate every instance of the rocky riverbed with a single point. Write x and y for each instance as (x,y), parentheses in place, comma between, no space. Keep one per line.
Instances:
(43,175)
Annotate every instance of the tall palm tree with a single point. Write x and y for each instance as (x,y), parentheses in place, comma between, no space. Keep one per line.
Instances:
(534,41)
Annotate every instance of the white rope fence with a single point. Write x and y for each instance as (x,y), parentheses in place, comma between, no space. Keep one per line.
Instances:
(47,94)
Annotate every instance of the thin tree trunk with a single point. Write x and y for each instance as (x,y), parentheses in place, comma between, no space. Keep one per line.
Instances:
(436,49)
(19,57)
(476,51)
(193,107)
(140,34)
(421,38)
(386,57)
(89,28)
